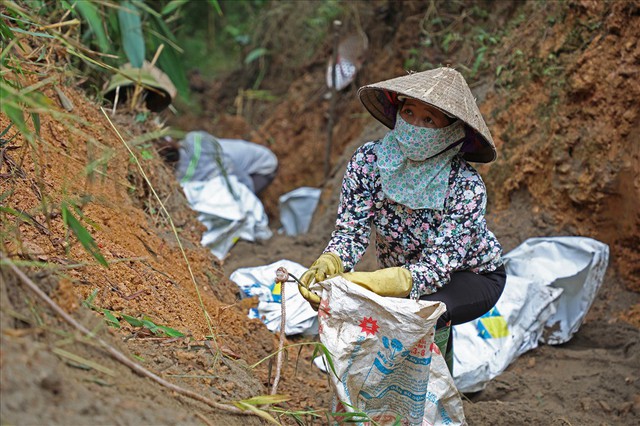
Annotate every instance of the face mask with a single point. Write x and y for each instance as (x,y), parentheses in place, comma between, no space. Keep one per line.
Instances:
(415,163)
(419,143)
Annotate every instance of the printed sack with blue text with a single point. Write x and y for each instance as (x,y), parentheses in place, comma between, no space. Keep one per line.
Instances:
(385,360)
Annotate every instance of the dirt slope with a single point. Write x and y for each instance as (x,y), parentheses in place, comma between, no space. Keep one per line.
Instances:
(563,111)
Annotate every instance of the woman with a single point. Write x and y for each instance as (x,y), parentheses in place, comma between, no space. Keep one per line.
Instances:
(426,203)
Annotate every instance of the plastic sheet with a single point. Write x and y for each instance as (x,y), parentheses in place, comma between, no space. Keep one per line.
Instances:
(575,265)
(228,216)
(296,209)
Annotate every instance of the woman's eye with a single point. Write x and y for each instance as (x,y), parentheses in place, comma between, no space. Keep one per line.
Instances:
(407,112)
(428,120)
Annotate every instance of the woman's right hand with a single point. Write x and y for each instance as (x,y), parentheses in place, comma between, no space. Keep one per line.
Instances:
(327,265)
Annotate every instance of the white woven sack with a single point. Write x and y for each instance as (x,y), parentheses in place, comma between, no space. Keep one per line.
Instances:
(384,356)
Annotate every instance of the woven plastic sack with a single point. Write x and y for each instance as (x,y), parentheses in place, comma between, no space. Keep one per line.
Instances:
(385,361)
(259,281)
(551,284)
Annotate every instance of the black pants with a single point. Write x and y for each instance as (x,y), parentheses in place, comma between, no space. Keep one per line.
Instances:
(468,295)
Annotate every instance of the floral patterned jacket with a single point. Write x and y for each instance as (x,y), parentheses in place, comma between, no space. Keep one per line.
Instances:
(430,243)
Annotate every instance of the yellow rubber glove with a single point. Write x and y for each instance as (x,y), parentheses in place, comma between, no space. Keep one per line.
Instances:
(392,282)
(313,299)
(328,264)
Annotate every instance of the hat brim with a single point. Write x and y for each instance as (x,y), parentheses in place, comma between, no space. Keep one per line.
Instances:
(443,88)
(162,90)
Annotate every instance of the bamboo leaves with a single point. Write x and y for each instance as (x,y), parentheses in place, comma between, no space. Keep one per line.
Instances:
(131,33)
(113,319)
(82,234)
(16,101)
(91,15)
(170,60)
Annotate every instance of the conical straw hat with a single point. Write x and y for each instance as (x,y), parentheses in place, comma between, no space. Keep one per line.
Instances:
(148,75)
(445,89)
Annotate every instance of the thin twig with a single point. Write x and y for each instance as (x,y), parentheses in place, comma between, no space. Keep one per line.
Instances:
(115,101)
(118,356)
(72,22)
(283,321)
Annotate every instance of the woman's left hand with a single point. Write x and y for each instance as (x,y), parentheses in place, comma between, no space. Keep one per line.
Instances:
(392,282)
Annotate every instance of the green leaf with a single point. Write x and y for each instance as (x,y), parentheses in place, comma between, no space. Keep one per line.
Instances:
(111,319)
(216,6)
(170,60)
(134,322)
(5,195)
(12,110)
(20,215)
(171,332)
(131,32)
(171,6)
(150,325)
(146,155)
(255,410)
(141,117)
(148,136)
(88,302)
(261,95)
(5,131)
(31,33)
(5,31)
(35,117)
(90,13)
(255,54)
(327,355)
(266,399)
(82,235)
(83,361)
(145,8)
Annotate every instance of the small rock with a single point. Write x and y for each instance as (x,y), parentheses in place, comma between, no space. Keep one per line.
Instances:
(605,407)
(52,383)
(586,404)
